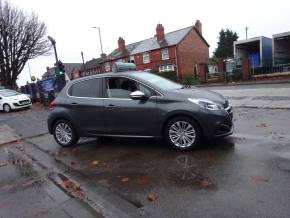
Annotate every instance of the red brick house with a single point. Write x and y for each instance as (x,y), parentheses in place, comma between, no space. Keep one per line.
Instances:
(181,51)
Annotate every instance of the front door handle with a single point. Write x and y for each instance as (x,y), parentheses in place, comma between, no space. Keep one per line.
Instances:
(110,106)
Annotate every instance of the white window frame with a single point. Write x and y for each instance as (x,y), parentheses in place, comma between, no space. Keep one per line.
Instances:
(165,54)
(146,58)
(131,58)
(107,67)
(166,68)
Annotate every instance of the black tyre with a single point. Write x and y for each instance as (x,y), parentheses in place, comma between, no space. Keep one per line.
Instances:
(6,108)
(182,133)
(64,133)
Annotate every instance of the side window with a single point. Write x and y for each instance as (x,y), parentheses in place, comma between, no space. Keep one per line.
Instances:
(118,87)
(91,88)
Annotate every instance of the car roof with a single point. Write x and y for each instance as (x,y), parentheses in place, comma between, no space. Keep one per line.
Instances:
(125,73)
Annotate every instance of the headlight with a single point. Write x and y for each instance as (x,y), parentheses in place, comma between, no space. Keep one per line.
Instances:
(205,103)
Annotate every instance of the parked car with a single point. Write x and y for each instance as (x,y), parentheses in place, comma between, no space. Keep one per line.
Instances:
(138,104)
(12,100)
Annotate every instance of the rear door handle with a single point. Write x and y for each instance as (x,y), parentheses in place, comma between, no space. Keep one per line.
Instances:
(73,103)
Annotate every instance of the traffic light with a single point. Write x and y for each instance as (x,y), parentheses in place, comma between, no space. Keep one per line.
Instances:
(60,75)
(60,68)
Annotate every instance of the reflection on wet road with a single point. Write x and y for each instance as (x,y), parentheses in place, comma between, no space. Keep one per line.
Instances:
(231,171)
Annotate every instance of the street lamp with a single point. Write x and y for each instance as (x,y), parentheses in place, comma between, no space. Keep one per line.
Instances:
(59,69)
(100,38)
(53,42)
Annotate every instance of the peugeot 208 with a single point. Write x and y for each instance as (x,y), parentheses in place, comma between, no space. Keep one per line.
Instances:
(138,104)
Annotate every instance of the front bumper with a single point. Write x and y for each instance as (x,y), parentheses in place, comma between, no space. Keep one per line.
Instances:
(218,124)
(17,105)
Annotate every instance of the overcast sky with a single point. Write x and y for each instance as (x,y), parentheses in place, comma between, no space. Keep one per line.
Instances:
(70,22)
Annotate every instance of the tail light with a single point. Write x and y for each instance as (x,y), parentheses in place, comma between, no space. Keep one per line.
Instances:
(52,105)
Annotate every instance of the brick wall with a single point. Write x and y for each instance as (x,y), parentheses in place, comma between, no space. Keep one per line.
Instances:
(192,50)
(155,59)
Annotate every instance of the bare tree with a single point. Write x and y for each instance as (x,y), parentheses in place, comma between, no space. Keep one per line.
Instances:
(22,37)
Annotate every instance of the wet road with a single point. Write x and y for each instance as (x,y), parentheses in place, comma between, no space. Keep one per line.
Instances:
(245,175)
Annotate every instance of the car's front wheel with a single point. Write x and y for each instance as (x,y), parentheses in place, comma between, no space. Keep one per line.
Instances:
(182,133)
(64,133)
(6,108)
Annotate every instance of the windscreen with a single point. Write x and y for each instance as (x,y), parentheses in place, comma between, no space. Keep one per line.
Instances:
(158,81)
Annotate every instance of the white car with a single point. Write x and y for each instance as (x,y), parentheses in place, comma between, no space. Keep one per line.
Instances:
(12,100)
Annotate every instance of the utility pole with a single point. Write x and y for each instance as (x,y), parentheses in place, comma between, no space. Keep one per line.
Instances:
(247,32)
(100,38)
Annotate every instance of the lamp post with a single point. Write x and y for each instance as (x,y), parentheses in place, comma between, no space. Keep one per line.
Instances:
(59,67)
(53,42)
(100,38)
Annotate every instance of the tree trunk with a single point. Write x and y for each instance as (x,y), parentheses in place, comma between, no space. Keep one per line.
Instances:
(9,84)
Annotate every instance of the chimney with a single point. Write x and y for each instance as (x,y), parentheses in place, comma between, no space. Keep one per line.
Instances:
(198,26)
(121,44)
(160,33)
(103,55)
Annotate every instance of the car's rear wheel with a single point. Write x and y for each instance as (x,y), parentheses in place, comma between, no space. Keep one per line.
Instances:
(6,108)
(182,133)
(64,133)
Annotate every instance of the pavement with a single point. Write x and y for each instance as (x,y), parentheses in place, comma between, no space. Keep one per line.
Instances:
(244,175)
(271,96)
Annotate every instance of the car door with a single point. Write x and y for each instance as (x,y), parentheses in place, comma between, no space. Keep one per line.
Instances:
(86,105)
(125,116)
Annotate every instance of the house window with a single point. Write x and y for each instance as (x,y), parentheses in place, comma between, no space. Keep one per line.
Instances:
(131,59)
(107,66)
(166,68)
(165,54)
(146,58)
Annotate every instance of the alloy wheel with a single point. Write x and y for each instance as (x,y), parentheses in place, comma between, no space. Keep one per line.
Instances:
(182,134)
(63,133)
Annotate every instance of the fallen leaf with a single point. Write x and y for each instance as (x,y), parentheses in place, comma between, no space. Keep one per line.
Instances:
(256,179)
(205,183)
(125,179)
(152,197)
(95,162)
(142,180)
(262,125)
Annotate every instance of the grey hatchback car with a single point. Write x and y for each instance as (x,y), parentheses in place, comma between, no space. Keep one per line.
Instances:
(138,104)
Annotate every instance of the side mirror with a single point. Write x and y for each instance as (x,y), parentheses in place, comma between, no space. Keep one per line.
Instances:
(137,95)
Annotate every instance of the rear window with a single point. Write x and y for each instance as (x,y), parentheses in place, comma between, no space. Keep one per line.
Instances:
(89,88)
